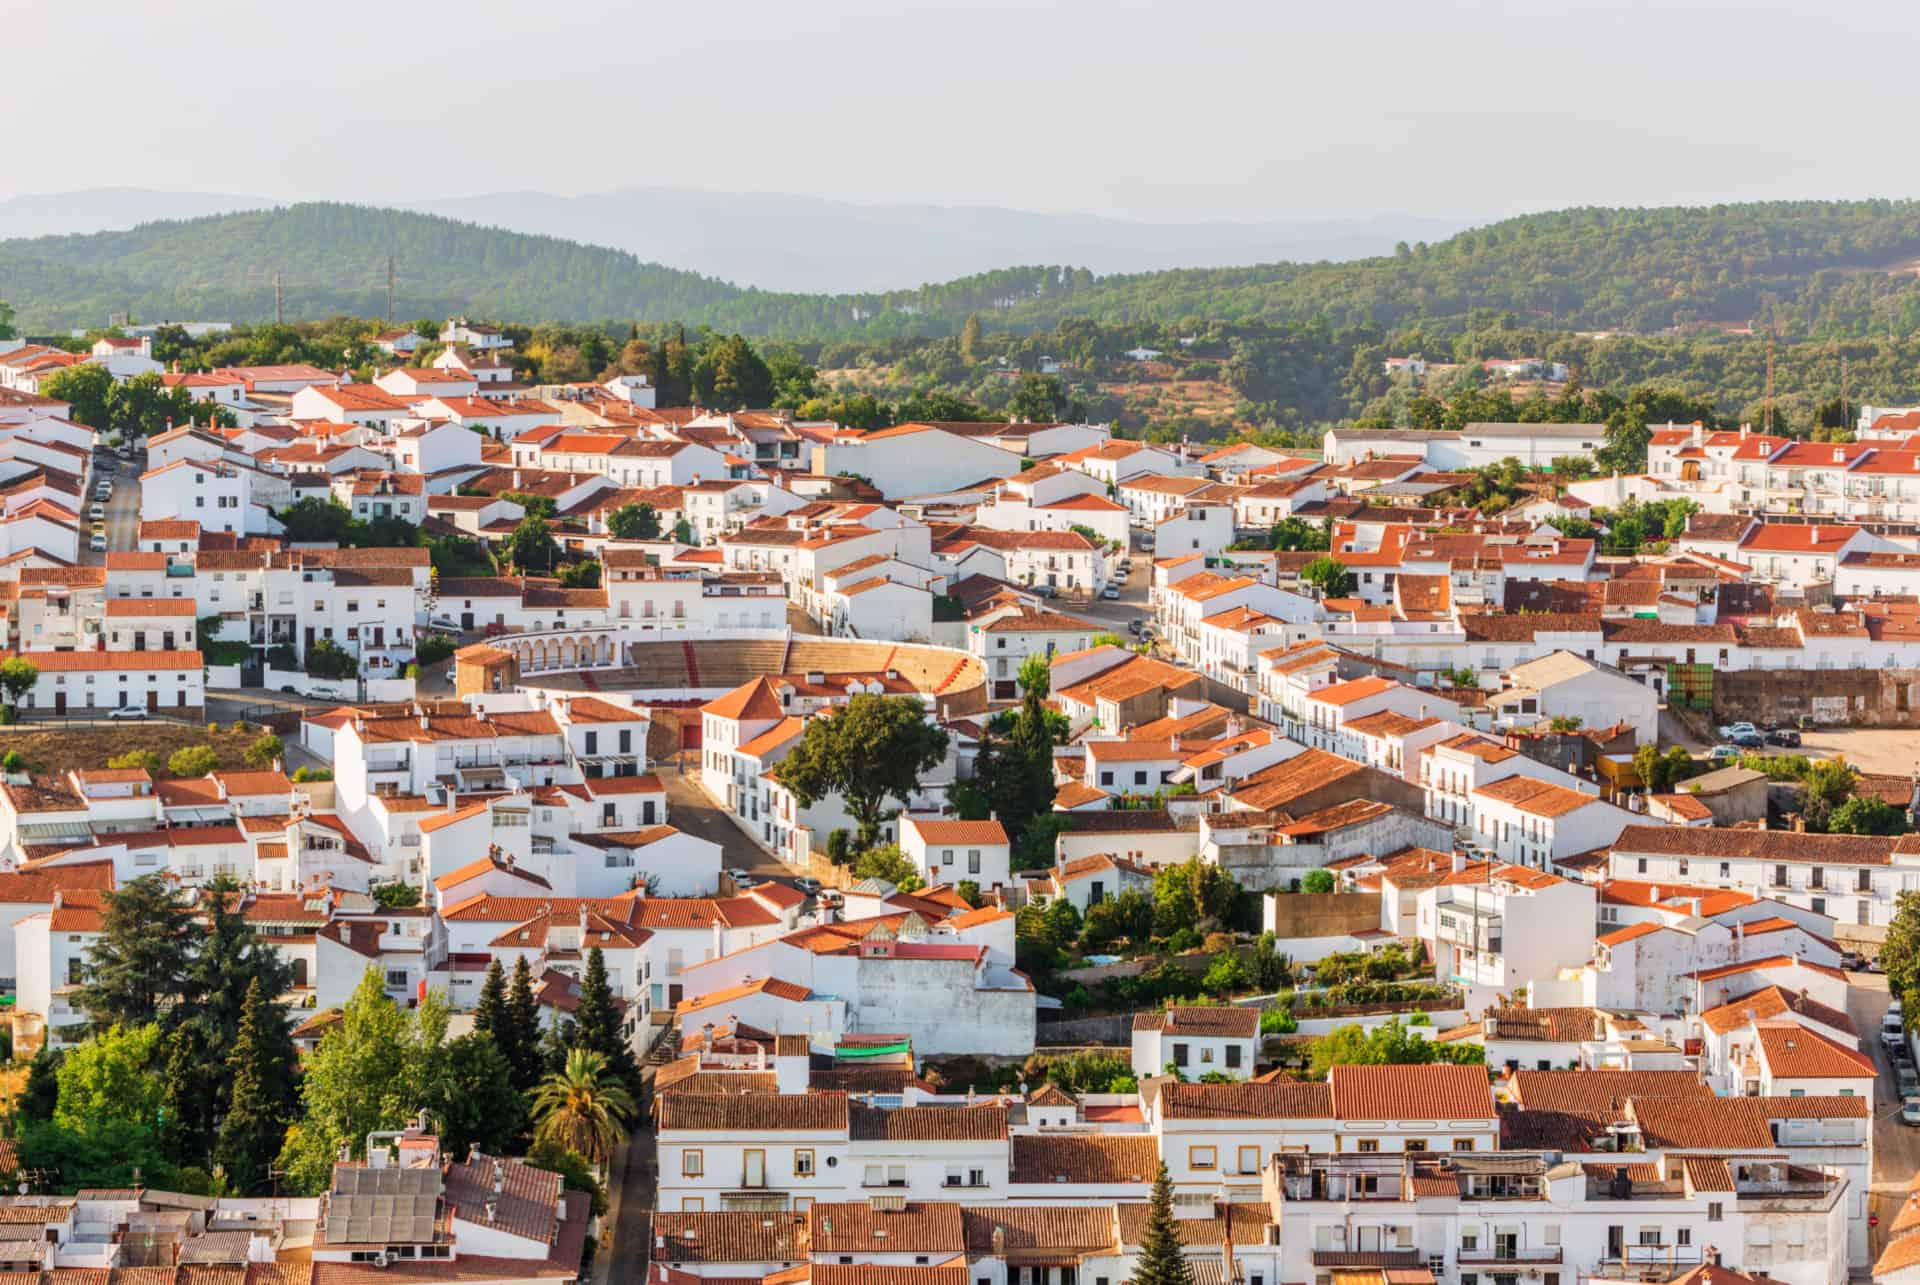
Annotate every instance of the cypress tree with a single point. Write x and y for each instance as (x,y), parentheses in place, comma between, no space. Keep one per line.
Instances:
(1161,1261)
(256,1121)
(522,1050)
(490,1014)
(597,1022)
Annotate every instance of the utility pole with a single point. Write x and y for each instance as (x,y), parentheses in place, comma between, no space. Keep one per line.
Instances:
(1846,409)
(1768,429)
(279,302)
(389,290)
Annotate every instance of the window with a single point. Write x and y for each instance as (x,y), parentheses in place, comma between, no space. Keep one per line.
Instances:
(1249,1159)
(1179,1055)
(803,1163)
(1416,1144)
(1550,1234)
(1233,1055)
(692,1164)
(1683,1236)
(1368,1145)
(1200,1158)
(973,861)
(1641,865)
(396,977)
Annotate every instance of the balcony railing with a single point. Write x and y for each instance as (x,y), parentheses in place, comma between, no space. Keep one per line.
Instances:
(1509,1254)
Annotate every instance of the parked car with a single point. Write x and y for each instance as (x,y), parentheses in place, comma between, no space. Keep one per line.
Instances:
(809,886)
(129,711)
(1111,591)
(97,512)
(1785,737)
(1908,1079)
(1732,730)
(1748,740)
(1135,625)
(1723,754)
(1851,961)
(98,543)
(1910,1111)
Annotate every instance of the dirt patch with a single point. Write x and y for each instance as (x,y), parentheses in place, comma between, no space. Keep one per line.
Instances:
(58,752)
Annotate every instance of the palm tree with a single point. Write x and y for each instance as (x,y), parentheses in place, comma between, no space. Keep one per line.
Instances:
(582,1107)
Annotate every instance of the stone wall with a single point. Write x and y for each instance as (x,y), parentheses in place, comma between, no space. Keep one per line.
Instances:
(1831,697)
(1322,914)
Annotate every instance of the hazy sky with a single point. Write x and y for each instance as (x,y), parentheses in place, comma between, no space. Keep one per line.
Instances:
(1156,109)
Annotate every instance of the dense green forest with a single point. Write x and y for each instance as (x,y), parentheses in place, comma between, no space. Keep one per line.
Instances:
(1814,268)
(1671,306)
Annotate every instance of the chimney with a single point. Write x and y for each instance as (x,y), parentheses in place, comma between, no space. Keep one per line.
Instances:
(473,1153)
(1459,861)
(499,1178)
(1799,823)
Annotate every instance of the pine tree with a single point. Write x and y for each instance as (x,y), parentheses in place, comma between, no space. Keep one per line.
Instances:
(42,1092)
(522,1050)
(256,1121)
(597,1022)
(1161,1261)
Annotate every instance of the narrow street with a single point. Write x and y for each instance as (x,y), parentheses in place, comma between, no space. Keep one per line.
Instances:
(630,1200)
(1896,1146)
(690,810)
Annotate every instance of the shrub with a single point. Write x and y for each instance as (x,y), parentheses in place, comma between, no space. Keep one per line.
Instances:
(969,892)
(1227,975)
(1278,1021)
(1183,940)
(839,847)
(11,762)
(194,760)
(1217,942)
(1317,881)
(433,648)
(148,759)
(265,751)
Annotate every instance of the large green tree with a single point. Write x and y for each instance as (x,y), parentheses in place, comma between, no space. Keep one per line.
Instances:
(869,750)
(730,375)
(138,967)
(473,1098)
(371,1072)
(634,522)
(522,1048)
(261,1071)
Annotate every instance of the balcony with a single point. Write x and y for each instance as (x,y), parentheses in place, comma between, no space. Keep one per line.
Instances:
(1494,1255)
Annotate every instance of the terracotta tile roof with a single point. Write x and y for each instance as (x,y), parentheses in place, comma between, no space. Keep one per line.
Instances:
(1249,1221)
(1202,1020)
(1057,1229)
(1536,798)
(739,1236)
(1277,1100)
(1549,1025)
(1791,1051)
(1759,845)
(1702,1122)
(524,1203)
(929,1124)
(1769,1002)
(1084,1158)
(751,701)
(1443,1092)
(707,1113)
(984,833)
(921,1227)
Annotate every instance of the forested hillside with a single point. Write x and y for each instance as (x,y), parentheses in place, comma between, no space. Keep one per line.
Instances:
(1814,268)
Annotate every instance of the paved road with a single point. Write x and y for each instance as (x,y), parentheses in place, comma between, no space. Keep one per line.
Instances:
(689,809)
(123,509)
(1896,1146)
(630,1197)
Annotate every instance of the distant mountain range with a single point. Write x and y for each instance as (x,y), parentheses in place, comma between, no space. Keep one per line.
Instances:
(799,243)
(1815,267)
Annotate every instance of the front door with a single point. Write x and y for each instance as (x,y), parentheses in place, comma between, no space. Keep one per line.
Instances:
(646,818)
(153,700)
(59,702)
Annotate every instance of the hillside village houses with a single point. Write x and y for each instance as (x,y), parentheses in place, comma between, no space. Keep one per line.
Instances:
(597,768)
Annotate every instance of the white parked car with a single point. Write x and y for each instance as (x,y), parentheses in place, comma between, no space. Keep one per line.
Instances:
(1732,730)
(129,711)
(1111,591)
(99,542)
(98,512)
